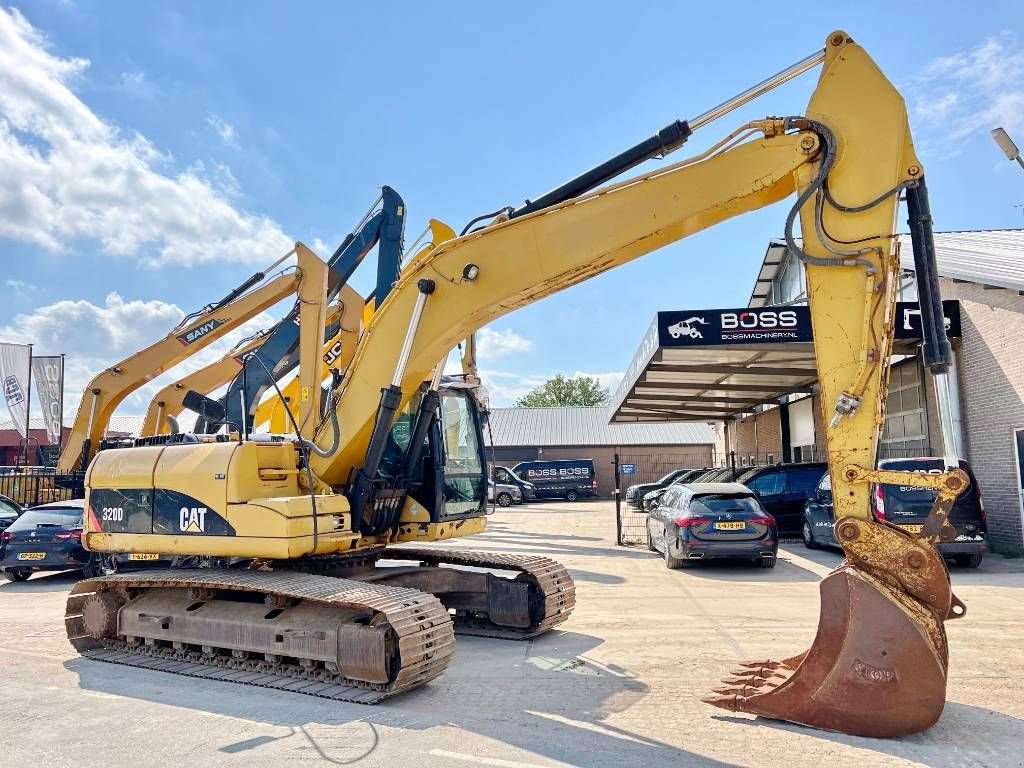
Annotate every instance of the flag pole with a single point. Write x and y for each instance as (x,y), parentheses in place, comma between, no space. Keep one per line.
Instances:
(28,405)
(60,426)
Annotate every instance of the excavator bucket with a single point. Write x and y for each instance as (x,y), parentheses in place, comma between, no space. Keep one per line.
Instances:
(877,666)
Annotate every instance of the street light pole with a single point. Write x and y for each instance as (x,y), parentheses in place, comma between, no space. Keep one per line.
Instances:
(1002,138)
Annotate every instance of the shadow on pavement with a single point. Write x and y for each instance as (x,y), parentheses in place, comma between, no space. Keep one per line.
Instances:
(990,738)
(45,582)
(568,697)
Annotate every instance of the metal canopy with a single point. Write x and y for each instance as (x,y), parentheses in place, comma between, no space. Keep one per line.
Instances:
(715,364)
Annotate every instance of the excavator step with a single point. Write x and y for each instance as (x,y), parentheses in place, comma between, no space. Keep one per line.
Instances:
(550,591)
(384,640)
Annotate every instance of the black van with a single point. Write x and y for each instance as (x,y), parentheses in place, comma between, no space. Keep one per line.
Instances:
(567,480)
(908,507)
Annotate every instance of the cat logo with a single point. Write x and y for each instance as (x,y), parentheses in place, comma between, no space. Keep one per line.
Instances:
(333,354)
(192,520)
(197,333)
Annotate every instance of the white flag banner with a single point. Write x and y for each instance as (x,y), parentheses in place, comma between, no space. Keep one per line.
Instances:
(48,376)
(15,366)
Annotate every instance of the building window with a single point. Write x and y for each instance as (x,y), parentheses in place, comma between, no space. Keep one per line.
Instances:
(788,285)
(906,414)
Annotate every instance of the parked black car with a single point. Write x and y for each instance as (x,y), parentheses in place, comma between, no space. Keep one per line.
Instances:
(635,493)
(704,521)
(46,538)
(10,510)
(508,477)
(563,479)
(784,489)
(907,507)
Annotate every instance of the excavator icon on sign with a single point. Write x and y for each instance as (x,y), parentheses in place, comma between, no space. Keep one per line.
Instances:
(684,328)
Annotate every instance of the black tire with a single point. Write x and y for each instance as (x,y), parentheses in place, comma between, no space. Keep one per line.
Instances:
(571,496)
(504,499)
(969,561)
(766,562)
(94,568)
(808,536)
(672,563)
(17,574)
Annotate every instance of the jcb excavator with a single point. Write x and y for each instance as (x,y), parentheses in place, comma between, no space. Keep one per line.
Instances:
(291,531)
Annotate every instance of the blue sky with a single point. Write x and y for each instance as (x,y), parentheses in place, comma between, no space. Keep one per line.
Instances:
(154,155)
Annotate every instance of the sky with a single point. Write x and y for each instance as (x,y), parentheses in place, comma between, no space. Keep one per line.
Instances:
(154,155)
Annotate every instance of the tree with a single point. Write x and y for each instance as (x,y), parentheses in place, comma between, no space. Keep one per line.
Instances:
(579,390)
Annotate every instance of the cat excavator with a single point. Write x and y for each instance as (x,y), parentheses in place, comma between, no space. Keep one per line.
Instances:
(299,584)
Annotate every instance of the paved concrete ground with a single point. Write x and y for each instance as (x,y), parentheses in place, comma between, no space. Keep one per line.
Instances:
(618,686)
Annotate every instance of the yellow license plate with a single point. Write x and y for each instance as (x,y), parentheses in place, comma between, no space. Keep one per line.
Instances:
(912,528)
(32,556)
(143,556)
(727,526)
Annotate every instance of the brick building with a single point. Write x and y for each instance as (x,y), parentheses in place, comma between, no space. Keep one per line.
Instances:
(983,273)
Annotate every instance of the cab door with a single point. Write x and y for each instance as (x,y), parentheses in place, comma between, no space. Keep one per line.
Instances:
(464,469)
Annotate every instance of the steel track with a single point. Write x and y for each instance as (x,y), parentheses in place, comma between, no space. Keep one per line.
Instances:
(422,626)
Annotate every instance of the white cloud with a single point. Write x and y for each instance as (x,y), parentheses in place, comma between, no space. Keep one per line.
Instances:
(224,129)
(970,91)
(137,84)
(95,337)
(491,344)
(69,175)
(20,288)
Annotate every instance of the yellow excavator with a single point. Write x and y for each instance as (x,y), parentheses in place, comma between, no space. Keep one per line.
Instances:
(289,532)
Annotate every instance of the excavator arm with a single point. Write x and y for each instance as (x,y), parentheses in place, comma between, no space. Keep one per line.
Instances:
(197,331)
(279,353)
(168,402)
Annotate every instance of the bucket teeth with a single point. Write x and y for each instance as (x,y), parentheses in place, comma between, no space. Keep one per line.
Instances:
(723,701)
(760,663)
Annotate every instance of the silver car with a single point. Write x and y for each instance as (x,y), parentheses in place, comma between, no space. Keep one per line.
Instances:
(503,495)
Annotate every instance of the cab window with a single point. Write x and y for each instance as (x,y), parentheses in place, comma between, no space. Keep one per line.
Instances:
(464,489)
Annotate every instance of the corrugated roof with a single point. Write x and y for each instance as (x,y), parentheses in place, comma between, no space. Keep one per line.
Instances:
(587,426)
(986,256)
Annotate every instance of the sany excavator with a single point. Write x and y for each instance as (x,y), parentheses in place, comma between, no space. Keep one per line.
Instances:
(292,529)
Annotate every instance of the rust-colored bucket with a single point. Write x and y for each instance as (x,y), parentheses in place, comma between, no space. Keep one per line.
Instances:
(878,664)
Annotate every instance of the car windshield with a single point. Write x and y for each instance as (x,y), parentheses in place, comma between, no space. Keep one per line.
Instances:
(63,517)
(669,477)
(7,514)
(720,503)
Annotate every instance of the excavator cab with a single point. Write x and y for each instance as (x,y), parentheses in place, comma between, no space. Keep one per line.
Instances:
(448,478)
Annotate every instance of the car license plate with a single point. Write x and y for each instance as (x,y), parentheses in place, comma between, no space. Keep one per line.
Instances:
(912,528)
(32,556)
(730,526)
(143,556)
